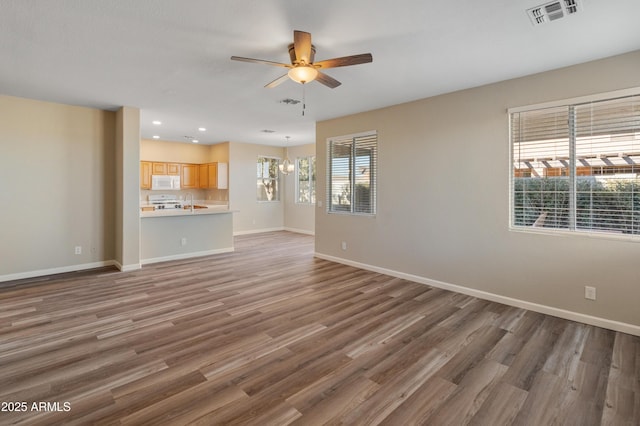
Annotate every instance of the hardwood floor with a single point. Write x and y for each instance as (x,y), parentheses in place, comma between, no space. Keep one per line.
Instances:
(270,335)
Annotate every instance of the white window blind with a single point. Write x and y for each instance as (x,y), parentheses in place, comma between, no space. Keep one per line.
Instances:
(577,167)
(352,169)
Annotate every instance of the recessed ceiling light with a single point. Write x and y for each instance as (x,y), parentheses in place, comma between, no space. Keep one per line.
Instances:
(156,137)
(202,129)
(157,122)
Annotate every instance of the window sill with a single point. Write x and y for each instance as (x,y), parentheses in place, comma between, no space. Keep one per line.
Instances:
(580,234)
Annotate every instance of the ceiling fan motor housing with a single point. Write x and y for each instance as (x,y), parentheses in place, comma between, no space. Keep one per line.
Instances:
(292,54)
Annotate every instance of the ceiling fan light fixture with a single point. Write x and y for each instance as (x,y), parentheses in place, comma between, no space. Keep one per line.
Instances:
(303,74)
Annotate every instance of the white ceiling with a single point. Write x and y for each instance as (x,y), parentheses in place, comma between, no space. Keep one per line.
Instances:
(170,58)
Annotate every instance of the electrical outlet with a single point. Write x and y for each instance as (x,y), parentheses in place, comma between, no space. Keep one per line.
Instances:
(78,249)
(183,241)
(344,245)
(590,293)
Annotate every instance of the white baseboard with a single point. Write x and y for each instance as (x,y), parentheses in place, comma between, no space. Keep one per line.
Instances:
(257,231)
(59,270)
(543,309)
(127,268)
(299,231)
(284,228)
(187,255)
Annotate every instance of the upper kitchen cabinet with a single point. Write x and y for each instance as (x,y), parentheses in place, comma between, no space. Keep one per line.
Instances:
(173,169)
(213,176)
(203,176)
(145,174)
(166,169)
(189,176)
(159,168)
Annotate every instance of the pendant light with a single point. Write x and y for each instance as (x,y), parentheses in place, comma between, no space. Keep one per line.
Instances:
(286,166)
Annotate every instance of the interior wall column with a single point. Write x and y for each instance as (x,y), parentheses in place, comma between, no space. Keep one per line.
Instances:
(127,188)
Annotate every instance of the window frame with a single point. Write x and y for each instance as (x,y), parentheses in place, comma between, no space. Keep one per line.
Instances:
(572,230)
(312,180)
(276,179)
(373,172)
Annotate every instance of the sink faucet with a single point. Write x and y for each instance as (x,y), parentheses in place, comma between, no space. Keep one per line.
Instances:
(189,195)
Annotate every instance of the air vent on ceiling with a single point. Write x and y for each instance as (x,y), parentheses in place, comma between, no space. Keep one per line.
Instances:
(290,101)
(552,11)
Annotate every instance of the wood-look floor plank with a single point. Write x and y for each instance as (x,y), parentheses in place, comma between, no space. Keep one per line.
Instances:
(270,335)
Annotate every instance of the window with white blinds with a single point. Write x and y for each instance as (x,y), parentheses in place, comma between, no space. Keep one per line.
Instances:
(351,174)
(577,167)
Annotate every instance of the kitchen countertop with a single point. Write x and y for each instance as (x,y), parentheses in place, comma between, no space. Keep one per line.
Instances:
(210,209)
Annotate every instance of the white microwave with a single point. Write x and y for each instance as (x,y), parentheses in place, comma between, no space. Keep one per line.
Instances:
(165,182)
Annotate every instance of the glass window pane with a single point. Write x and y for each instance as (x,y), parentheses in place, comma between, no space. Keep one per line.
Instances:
(577,166)
(267,182)
(352,170)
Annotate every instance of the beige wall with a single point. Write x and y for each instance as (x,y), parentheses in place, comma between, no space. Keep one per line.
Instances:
(298,217)
(127,205)
(57,166)
(162,151)
(205,234)
(443,201)
(218,152)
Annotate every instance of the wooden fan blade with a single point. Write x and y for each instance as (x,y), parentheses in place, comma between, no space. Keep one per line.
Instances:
(260,61)
(327,80)
(277,81)
(302,46)
(345,61)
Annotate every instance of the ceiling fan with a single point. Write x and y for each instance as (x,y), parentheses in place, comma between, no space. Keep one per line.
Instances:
(303,69)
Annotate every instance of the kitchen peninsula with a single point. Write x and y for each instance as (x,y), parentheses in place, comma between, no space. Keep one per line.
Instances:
(186,232)
(168,230)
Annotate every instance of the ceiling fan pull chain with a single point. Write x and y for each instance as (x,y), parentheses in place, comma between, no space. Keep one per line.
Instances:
(304,100)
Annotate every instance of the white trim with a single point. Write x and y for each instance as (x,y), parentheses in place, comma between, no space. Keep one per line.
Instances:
(578,100)
(299,231)
(296,189)
(187,255)
(544,309)
(127,268)
(353,135)
(258,231)
(606,235)
(328,183)
(59,270)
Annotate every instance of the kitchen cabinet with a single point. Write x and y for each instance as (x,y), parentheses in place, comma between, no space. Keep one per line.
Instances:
(213,176)
(166,169)
(192,176)
(173,169)
(189,176)
(145,174)
(203,176)
(159,168)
